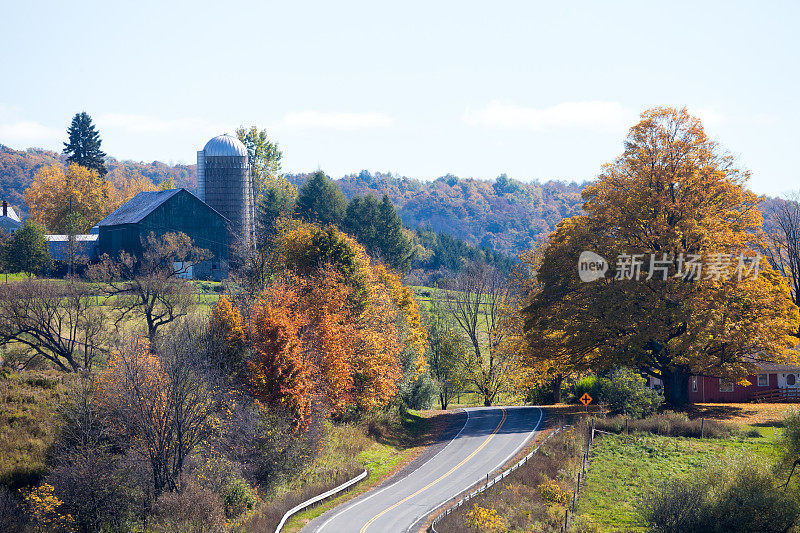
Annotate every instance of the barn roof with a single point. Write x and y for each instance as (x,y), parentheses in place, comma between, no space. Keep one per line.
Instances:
(9,223)
(138,207)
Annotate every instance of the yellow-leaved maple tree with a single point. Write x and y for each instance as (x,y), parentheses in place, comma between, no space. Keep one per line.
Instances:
(49,196)
(672,196)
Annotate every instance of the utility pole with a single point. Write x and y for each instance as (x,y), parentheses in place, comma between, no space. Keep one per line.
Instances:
(70,236)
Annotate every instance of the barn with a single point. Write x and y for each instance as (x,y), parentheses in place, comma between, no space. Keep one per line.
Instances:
(160,212)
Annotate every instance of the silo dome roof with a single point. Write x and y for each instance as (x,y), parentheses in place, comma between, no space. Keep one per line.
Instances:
(225,145)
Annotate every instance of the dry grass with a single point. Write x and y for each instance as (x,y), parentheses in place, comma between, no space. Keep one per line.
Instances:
(754,414)
(27,424)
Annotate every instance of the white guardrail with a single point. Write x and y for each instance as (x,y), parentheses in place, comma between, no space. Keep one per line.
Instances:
(318,498)
(491,482)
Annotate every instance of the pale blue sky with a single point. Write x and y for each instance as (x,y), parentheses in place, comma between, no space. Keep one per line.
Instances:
(533,89)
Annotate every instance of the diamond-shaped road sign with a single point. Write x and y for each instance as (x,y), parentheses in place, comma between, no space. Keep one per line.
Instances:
(586,399)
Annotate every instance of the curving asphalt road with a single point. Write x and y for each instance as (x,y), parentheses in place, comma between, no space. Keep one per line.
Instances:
(489,438)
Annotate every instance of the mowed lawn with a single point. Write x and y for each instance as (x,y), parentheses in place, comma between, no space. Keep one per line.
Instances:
(624,467)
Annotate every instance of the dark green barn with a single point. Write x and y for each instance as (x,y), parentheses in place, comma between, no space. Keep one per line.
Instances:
(160,212)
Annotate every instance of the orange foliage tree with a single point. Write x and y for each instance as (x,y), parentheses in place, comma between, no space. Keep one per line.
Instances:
(673,196)
(278,373)
(331,329)
(227,333)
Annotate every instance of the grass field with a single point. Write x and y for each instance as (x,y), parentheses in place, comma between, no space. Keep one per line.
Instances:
(624,467)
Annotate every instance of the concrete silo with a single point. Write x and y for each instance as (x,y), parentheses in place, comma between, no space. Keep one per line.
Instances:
(224,183)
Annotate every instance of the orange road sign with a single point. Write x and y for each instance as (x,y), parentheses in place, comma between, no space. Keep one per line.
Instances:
(586,399)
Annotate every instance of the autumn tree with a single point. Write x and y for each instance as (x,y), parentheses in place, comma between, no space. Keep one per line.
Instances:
(127,184)
(52,320)
(782,247)
(151,285)
(545,366)
(162,403)
(68,202)
(279,375)
(478,302)
(331,328)
(227,335)
(83,146)
(689,296)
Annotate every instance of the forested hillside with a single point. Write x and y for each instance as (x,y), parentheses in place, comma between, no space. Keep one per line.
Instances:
(18,167)
(505,215)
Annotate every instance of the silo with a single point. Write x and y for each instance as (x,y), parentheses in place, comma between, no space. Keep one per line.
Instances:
(224,183)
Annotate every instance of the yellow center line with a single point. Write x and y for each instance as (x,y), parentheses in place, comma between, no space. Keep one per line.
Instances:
(434,482)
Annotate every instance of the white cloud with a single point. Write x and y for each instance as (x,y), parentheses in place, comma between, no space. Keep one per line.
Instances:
(336,121)
(591,115)
(149,124)
(25,132)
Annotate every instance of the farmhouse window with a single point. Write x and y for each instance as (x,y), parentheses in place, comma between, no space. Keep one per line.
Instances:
(725,385)
(790,380)
(694,383)
(763,380)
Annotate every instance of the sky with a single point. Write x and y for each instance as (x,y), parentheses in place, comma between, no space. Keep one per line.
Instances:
(535,90)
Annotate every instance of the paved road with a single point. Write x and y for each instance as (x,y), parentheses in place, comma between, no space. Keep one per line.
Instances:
(489,437)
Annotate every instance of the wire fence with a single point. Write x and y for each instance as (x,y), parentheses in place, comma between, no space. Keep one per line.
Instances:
(491,482)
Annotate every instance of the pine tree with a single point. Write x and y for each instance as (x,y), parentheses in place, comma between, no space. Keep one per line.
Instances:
(321,201)
(395,247)
(83,147)
(362,221)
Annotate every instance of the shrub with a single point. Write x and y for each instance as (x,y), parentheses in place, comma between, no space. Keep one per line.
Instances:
(730,496)
(790,440)
(192,510)
(224,477)
(238,497)
(551,492)
(676,506)
(44,509)
(483,519)
(591,385)
(626,393)
(419,393)
(98,489)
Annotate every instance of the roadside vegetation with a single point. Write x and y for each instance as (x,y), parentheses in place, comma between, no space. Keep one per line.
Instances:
(532,498)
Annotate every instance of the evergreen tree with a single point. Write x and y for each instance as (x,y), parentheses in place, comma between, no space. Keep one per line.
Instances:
(83,147)
(277,200)
(395,247)
(321,201)
(27,250)
(361,221)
